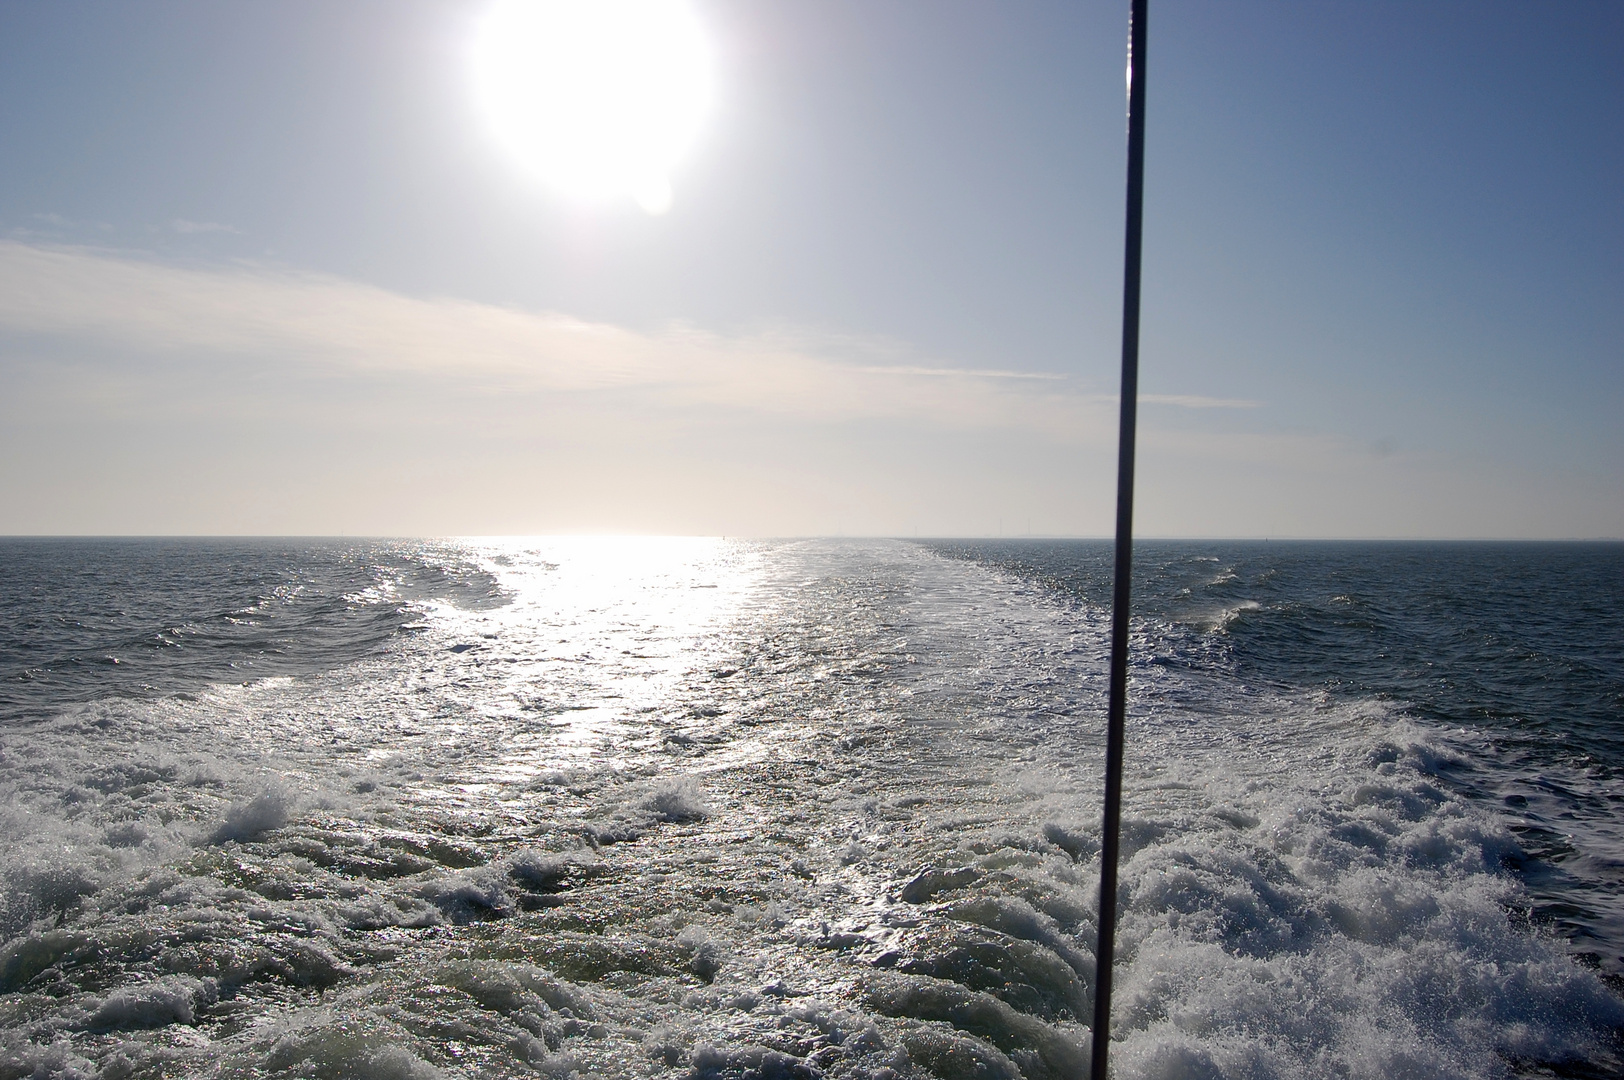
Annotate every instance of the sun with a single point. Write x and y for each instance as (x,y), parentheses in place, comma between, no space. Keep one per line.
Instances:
(599,98)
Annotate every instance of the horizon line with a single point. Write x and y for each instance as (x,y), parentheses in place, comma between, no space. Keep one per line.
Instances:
(1103,538)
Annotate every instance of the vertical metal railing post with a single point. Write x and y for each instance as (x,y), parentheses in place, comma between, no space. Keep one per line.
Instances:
(1116,711)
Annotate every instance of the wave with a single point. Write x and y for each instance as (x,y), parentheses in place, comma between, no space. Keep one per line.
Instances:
(837,816)
(176,616)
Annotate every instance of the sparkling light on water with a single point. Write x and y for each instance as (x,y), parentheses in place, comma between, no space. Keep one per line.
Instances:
(638,807)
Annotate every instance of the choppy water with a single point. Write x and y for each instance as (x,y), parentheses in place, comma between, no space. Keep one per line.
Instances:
(801,809)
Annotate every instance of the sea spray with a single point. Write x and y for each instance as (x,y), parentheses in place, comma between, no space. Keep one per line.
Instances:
(836,816)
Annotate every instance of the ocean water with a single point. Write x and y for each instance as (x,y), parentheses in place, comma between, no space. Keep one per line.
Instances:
(801,809)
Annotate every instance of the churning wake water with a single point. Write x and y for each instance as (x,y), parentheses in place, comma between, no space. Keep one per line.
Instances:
(644,807)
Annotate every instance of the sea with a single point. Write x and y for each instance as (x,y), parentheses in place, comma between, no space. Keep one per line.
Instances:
(794,809)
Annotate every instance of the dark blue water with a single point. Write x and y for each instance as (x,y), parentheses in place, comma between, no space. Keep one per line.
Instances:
(82,620)
(1521,644)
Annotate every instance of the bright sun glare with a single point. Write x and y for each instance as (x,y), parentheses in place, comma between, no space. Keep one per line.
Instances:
(600,98)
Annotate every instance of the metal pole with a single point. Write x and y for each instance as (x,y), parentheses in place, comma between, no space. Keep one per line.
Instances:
(1116,712)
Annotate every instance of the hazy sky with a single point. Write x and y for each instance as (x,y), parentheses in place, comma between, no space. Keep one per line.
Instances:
(264,268)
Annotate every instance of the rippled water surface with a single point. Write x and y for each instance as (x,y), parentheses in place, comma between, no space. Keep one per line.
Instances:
(798,809)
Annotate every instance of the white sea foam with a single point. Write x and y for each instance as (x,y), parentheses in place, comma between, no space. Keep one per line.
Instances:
(265,810)
(834,817)
(677,799)
(175,1000)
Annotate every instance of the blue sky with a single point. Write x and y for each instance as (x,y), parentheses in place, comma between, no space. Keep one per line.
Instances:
(264,270)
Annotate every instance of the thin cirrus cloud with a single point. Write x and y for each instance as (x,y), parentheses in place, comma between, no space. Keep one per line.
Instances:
(938,372)
(323,401)
(131,311)
(1196,401)
(188,228)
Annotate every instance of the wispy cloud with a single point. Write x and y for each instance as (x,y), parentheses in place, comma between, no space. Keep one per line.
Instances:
(144,317)
(322,403)
(187,228)
(1196,401)
(960,373)
(323,325)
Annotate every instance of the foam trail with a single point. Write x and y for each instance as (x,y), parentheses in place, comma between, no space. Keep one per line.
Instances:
(787,809)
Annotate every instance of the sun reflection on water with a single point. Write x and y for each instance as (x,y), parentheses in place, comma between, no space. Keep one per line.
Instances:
(598,638)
